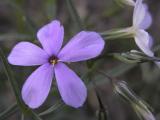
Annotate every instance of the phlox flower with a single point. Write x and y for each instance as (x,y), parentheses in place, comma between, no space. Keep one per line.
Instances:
(83,46)
(141,21)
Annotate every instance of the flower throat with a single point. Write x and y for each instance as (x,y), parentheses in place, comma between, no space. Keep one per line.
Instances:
(53,60)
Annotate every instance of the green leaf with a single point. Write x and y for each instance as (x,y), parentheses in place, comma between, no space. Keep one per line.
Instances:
(15,36)
(114,72)
(59,105)
(22,117)
(119,33)
(74,15)
(22,19)
(50,9)
(134,57)
(9,111)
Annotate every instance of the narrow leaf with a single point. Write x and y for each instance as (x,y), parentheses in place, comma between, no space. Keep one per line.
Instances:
(9,111)
(14,36)
(57,106)
(74,15)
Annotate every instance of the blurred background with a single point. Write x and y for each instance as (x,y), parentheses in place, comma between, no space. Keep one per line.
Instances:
(20,20)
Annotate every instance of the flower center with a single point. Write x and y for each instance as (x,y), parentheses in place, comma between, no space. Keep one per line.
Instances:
(53,60)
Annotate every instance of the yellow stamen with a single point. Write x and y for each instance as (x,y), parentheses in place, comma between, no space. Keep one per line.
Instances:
(53,61)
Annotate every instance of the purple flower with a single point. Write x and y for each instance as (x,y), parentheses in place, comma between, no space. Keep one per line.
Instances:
(142,20)
(83,46)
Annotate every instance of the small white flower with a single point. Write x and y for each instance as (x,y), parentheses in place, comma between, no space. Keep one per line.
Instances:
(141,21)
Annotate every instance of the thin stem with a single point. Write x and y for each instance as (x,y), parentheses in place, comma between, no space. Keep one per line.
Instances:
(74,15)
(22,14)
(112,81)
(9,111)
(98,96)
(58,105)
(22,116)
(102,112)
(15,36)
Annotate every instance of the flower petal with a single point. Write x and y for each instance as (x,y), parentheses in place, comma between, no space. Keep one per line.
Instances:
(143,41)
(72,89)
(147,20)
(37,86)
(51,37)
(139,13)
(27,54)
(83,46)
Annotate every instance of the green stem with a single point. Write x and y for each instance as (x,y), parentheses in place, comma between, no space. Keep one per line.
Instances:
(24,17)
(22,116)
(9,111)
(57,106)
(117,33)
(74,15)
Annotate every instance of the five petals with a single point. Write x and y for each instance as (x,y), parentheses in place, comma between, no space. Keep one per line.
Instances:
(85,45)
